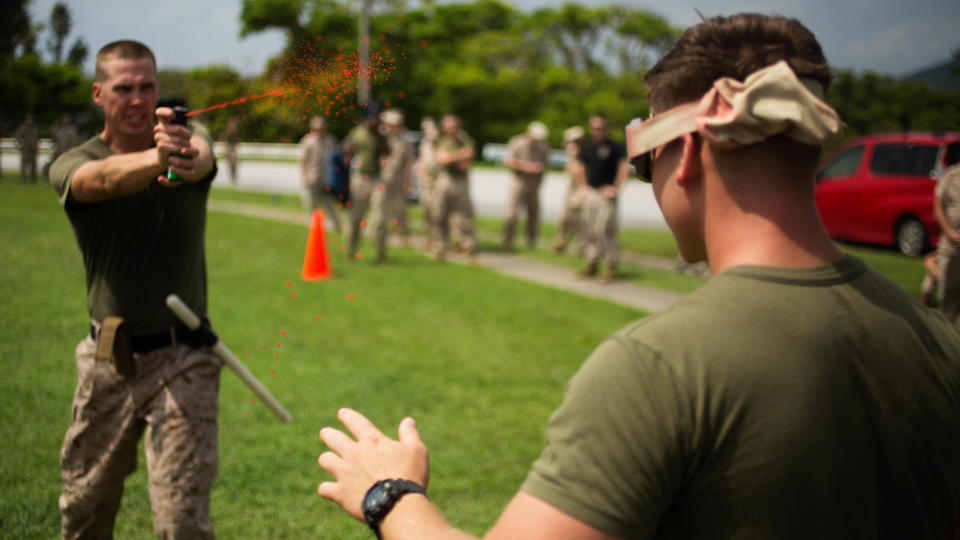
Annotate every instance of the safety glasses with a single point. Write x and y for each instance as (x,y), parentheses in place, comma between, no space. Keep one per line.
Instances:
(645,136)
(643,166)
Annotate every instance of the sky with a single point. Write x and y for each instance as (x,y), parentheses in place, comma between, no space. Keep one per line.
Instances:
(895,37)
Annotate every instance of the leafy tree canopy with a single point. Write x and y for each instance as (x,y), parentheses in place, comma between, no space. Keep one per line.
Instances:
(28,85)
(496,67)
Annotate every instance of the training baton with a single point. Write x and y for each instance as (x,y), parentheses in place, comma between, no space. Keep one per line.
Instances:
(189,318)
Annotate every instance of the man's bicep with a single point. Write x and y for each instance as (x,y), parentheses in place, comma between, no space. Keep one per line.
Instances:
(531,518)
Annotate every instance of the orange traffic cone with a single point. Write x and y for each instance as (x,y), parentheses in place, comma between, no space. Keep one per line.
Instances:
(316,262)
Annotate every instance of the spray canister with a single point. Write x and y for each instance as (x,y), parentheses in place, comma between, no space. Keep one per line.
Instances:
(179,118)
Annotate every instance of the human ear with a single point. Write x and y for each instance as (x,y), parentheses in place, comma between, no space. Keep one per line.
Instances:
(691,163)
(96,94)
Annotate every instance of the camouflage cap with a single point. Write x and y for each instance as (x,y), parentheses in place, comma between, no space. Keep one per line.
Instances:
(538,131)
(572,134)
(392,117)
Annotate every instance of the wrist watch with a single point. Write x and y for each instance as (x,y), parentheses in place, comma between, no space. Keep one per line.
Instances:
(381,498)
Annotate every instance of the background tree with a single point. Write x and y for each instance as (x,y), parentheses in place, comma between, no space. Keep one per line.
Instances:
(496,67)
(499,68)
(14,26)
(78,53)
(60,22)
(874,103)
(215,85)
(30,86)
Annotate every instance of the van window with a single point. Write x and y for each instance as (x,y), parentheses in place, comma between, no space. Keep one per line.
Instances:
(844,164)
(953,153)
(903,159)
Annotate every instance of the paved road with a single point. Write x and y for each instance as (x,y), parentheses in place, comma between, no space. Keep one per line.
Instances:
(488,188)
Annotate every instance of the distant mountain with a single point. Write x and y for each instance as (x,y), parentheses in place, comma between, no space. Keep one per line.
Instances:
(939,76)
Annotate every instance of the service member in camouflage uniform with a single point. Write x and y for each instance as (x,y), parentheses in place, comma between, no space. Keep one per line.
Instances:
(452,203)
(142,237)
(367,148)
(946,208)
(314,159)
(528,158)
(602,165)
(397,169)
(64,138)
(569,226)
(231,138)
(28,141)
(426,167)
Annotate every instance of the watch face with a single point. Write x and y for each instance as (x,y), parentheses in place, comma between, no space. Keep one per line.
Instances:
(375,498)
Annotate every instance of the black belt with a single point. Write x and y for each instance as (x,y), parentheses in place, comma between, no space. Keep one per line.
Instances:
(145,343)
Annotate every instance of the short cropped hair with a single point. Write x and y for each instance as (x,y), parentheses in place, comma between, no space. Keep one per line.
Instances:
(600,116)
(734,47)
(125,49)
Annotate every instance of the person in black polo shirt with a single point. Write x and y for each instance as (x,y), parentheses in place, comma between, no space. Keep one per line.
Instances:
(604,168)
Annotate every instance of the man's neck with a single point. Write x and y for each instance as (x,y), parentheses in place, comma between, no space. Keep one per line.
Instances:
(125,145)
(786,235)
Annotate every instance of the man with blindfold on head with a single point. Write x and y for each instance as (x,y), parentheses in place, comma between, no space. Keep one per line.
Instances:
(797,394)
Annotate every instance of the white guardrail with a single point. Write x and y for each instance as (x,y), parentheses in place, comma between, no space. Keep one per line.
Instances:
(245,150)
(492,152)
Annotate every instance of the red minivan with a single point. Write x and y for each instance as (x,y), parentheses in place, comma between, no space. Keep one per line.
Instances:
(878,189)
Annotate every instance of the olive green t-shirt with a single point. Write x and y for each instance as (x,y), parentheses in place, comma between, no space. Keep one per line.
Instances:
(139,248)
(770,403)
(452,144)
(368,147)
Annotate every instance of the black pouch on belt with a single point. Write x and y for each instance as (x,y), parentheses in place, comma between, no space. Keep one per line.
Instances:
(114,345)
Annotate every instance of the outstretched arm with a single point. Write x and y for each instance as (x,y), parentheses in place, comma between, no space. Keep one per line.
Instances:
(115,176)
(123,174)
(357,464)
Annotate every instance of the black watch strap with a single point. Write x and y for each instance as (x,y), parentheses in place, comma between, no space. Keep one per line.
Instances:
(381,498)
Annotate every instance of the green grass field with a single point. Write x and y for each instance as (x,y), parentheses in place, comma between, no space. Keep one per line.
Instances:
(906,271)
(479,359)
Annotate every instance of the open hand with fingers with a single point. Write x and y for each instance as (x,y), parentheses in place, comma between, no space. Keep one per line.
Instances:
(358,464)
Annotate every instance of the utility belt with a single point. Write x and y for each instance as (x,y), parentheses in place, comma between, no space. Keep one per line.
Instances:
(116,344)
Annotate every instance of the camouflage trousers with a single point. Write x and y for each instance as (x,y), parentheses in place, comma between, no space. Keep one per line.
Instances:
(397,205)
(320,197)
(452,206)
(426,189)
(948,295)
(233,159)
(173,396)
(599,222)
(570,219)
(28,165)
(524,193)
(366,191)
